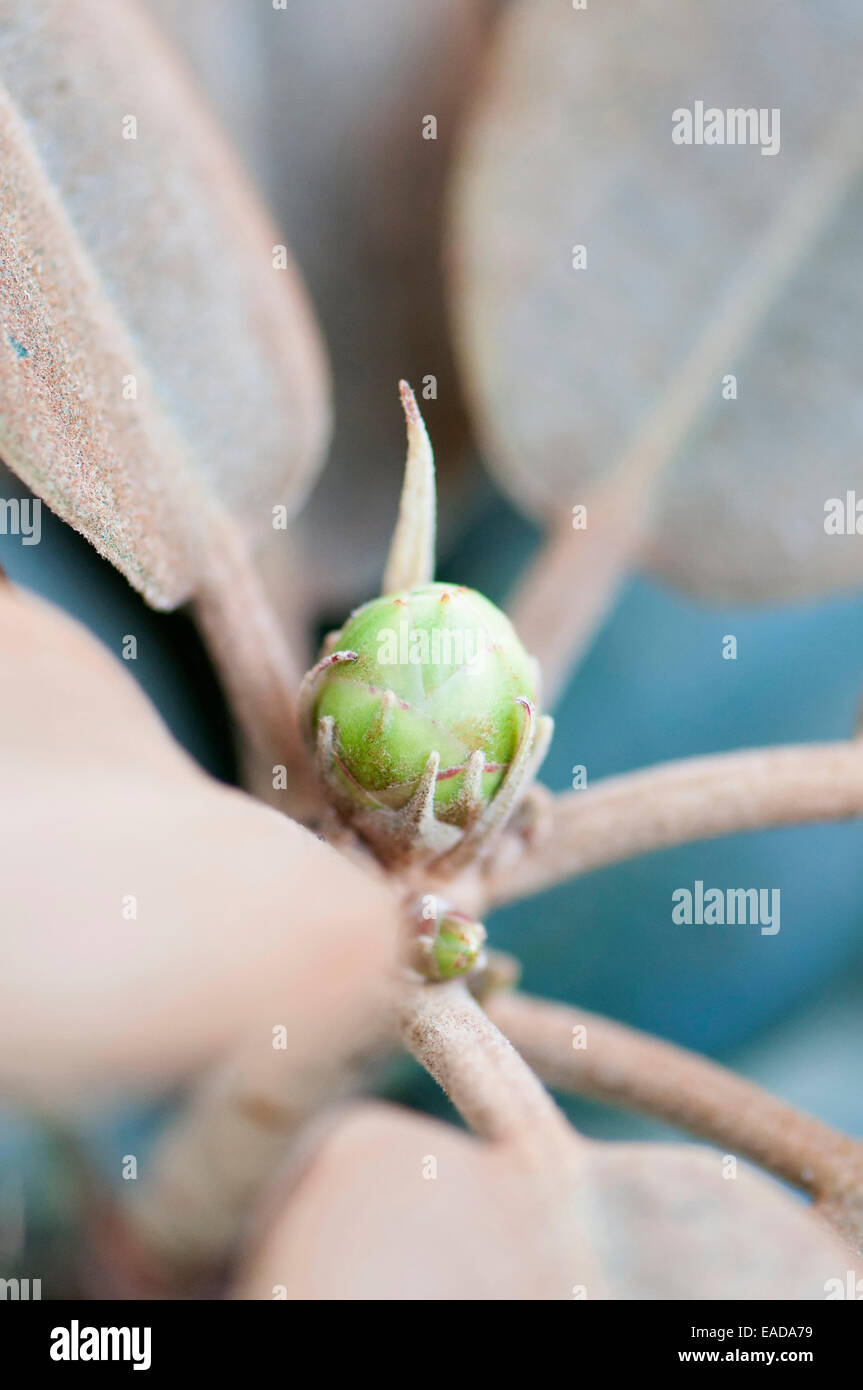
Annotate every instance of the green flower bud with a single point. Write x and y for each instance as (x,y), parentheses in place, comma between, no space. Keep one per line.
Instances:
(427,686)
(422,711)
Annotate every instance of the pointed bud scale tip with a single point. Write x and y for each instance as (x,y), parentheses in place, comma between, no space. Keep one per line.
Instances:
(409,405)
(411,557)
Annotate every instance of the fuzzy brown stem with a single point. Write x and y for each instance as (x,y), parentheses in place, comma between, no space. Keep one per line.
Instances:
(674,803)
(481,1072)
(259,672)
(573,1050)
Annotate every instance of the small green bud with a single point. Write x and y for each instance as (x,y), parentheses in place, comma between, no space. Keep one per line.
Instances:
(448,945)
(457,946)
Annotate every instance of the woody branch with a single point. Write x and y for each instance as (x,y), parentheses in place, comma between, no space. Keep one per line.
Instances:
(675,803)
